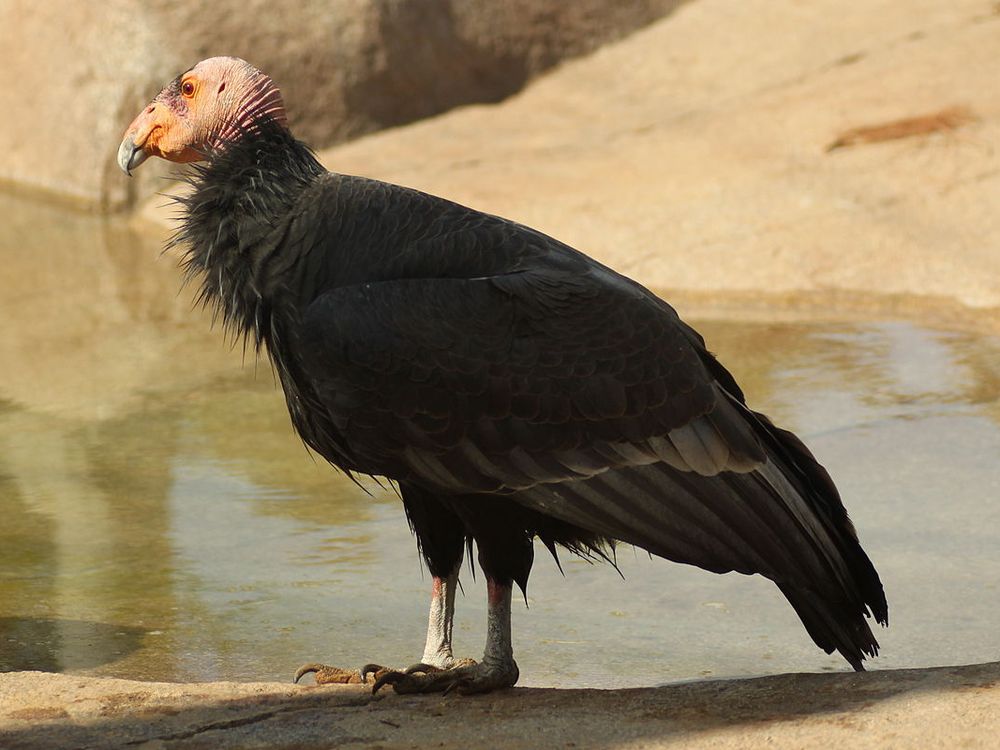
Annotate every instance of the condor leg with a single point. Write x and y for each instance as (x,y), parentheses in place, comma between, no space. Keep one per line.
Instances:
(441,539)
(497,669)
(505,556)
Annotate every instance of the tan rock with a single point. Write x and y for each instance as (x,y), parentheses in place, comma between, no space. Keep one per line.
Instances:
(75,73)
(695,155)
(915,708)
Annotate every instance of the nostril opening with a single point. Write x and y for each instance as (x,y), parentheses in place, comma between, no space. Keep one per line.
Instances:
(222,87)
(150,108)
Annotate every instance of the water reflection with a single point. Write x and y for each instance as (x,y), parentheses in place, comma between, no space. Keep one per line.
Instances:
(63,645)
(162,522)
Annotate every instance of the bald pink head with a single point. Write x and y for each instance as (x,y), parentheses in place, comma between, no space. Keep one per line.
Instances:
(213,103)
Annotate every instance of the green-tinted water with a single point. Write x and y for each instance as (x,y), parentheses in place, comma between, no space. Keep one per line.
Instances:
(159,520)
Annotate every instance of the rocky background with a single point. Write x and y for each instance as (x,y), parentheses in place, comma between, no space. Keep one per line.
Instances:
(834,155)
(76,73)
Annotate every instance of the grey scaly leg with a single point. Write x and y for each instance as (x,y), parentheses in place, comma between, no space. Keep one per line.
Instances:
(497,669)
(437,650)
(499,654)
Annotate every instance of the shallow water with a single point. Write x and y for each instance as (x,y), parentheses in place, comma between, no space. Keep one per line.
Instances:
(160,521)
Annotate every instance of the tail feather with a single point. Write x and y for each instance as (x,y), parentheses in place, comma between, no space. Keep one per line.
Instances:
(833,626)
(810,479)
(783,520)
(762,505)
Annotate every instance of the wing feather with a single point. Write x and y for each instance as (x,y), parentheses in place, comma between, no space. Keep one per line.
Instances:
(532,397)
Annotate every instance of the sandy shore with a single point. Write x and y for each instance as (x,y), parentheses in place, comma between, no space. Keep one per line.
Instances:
(943,707)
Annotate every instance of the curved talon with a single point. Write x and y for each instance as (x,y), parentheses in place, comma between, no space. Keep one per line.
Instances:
(421,668)
(465,677)
(368,669)
(389,678)
(304,670)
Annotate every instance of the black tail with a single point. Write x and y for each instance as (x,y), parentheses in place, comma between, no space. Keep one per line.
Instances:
(783,519)
(834,626)
(834,623)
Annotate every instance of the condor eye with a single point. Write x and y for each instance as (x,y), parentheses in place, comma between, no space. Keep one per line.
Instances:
(187,88)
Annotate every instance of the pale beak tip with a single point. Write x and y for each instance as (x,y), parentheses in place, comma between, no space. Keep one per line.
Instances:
(130,156)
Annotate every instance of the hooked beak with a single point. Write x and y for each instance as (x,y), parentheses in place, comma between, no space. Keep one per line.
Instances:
(142,137)
(157,131)
(130,155)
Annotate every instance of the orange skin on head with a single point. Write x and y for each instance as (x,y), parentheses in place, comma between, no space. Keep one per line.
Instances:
(180,123)
(198,113)
(168,126)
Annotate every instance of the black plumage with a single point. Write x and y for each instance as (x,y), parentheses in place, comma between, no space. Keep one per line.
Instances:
(512,386)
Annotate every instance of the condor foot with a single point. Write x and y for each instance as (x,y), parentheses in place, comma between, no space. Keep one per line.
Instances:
(466,677)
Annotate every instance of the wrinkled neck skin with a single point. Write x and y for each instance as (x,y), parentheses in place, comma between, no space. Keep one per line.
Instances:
(236,218)
(257,101)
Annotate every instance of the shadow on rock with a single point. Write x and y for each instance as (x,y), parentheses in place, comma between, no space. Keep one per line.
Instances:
(796,707)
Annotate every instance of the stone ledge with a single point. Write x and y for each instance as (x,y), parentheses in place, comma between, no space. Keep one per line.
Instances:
(912,708)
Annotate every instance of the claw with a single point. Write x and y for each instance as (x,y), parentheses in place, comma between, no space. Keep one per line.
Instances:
(465,680)
(368,669)
(460,684)
(389,678)
(304,670)
(326,675)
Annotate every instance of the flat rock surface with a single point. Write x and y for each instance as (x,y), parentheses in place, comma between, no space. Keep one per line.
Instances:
(752,149)
(943,707)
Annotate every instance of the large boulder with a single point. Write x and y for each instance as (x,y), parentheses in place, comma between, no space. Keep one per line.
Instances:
(75,74)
